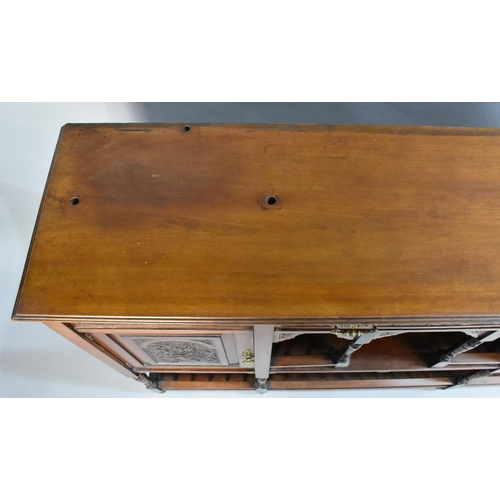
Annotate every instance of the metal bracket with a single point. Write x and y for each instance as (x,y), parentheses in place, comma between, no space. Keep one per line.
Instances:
(352,332)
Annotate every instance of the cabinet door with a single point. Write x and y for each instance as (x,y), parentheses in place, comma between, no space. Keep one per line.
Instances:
(145,348)
(180,351)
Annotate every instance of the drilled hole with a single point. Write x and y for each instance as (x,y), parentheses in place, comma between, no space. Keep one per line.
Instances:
(271,200)
(186,128)
(74,201)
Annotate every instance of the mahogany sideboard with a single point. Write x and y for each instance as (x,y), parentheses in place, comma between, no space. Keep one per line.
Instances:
(248,256)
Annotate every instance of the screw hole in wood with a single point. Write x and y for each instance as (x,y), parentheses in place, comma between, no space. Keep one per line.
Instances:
(74,201)
(271,200)
(186,128)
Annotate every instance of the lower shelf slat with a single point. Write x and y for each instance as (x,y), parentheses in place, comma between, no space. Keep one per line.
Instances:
(207,381)
(359,384)
(292,381)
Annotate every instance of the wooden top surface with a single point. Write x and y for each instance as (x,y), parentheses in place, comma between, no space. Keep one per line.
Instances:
(370,222)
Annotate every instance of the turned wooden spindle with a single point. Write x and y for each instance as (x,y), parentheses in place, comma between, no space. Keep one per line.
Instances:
(467,378)
(468,345)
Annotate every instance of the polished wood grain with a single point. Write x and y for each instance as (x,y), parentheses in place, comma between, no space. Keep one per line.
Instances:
(369,221)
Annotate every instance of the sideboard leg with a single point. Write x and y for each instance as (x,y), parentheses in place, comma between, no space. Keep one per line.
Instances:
(263,346)
(151,382)
(261,385)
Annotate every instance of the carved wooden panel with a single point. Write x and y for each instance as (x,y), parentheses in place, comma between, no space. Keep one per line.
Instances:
(192,351)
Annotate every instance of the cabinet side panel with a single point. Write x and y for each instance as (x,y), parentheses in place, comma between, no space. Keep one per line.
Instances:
(90,347)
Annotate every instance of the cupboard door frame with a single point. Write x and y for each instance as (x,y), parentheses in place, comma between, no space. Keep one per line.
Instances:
(230,346)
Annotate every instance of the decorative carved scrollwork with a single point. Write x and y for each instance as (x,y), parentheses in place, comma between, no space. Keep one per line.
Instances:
(475,333)
(164,351)
(348,332)
(390,333)
(288,336)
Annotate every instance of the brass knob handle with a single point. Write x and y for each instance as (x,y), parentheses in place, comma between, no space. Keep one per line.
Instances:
(248,356)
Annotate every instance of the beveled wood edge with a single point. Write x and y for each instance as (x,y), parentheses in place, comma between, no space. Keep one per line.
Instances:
(194,370)
(360,128)
(35,227)
(248,322)
(112,329)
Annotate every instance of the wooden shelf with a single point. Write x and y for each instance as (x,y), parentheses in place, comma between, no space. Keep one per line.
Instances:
(492,380)
(316,381)
(405,352)
(292,381)
(359,381)
(207,381)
